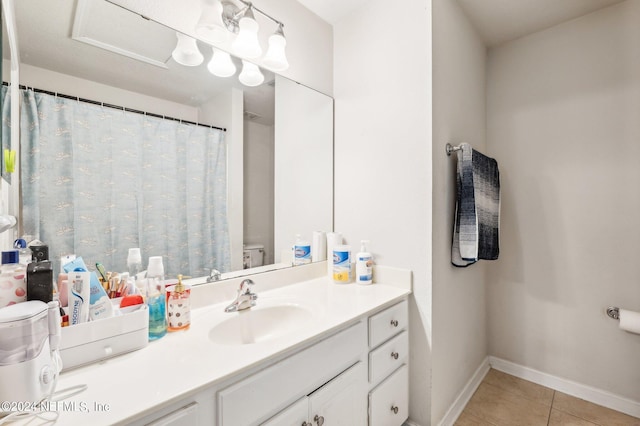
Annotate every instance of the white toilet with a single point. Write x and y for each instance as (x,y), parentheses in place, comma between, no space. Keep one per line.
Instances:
(253,255)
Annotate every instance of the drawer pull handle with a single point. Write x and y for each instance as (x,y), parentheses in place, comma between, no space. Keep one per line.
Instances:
(395,355)
(394,323)
(306,424)
(319,420)
(394,409)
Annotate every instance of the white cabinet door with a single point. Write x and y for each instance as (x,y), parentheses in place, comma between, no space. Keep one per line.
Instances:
(294,415)
(342,401)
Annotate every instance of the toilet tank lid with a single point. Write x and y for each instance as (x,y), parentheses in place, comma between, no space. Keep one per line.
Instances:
(254,246)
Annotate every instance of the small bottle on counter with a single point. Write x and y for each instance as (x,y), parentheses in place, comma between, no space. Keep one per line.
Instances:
(301,251)
(179,306)
(24,254)
(134,262)
(155,298)
(364,265)
(342,264)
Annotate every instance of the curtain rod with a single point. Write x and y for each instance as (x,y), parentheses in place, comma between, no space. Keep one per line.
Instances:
(117,107)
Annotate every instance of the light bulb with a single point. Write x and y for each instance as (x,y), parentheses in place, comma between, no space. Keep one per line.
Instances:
(210,26)
(250,75)
(221,64)
(275,57)
(186,51)
(246,43)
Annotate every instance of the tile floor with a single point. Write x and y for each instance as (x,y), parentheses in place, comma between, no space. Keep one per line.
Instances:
(502,399)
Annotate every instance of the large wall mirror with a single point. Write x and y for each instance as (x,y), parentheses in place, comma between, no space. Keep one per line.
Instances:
(276,165)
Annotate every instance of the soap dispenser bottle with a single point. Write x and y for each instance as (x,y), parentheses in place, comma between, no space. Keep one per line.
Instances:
(179,306)
(364,265)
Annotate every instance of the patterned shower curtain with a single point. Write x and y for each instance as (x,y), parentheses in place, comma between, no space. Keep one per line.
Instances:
(96,181)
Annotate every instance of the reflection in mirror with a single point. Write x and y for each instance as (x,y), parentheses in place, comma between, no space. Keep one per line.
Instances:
(133,68)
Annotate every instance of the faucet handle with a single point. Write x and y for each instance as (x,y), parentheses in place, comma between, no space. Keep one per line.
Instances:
(245,287)
(214,275)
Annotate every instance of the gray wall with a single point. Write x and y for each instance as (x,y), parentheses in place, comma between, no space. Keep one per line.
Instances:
(459,305)
(563,118)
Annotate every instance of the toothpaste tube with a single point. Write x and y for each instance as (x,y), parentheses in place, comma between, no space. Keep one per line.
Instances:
(99,303)
(79,283)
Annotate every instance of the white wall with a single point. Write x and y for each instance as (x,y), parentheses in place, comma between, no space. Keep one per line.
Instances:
(41,78)
(459,305)
(382,91)
(303,175)
(258,185)
(564,119)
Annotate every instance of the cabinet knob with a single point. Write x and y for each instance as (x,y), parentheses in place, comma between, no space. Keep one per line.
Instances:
(319,420)
(394,323)
(394,409)
(394,355)
(306,424)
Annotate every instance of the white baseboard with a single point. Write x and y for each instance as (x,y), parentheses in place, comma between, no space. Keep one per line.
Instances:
(588,393)
(465,395)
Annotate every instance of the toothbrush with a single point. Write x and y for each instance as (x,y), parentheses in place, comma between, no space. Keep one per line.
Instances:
(101,270)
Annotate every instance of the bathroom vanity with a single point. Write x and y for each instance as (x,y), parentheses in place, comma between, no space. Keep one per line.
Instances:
(310,352)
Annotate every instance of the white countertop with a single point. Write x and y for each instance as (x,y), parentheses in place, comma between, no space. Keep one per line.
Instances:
(184,362)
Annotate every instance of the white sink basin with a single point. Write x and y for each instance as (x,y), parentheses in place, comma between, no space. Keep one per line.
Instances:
(260,324)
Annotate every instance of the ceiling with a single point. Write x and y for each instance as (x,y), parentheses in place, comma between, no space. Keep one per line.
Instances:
(94,40)
(497,21)
(332,11)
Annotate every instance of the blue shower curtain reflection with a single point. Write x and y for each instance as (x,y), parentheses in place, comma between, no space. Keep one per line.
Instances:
(97,181)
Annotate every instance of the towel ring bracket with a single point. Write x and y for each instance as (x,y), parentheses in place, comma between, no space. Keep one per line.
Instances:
(451,149)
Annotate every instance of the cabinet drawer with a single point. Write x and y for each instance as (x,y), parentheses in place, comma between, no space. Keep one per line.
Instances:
(387,323)
(281,384)
(187,415)
(388,357)
(389,402)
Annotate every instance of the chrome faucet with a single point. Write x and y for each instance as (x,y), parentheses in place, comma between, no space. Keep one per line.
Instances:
(214,275)
(245,298)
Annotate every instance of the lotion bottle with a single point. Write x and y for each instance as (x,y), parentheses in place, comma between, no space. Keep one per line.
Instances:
(364,265)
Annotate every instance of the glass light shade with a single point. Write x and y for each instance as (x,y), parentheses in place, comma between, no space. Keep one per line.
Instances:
(186,51)
(221,64)
(246,44)
(210,26)
(275,57)
(250,75)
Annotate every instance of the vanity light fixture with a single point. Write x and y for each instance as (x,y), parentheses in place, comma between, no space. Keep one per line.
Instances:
(186,51)
(210,26)
(246,44)
(219,19)
(250,74)
(275,57)
(242,22)
(221,64)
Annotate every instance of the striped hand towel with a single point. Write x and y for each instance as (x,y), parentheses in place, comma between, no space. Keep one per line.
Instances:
(477,217)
